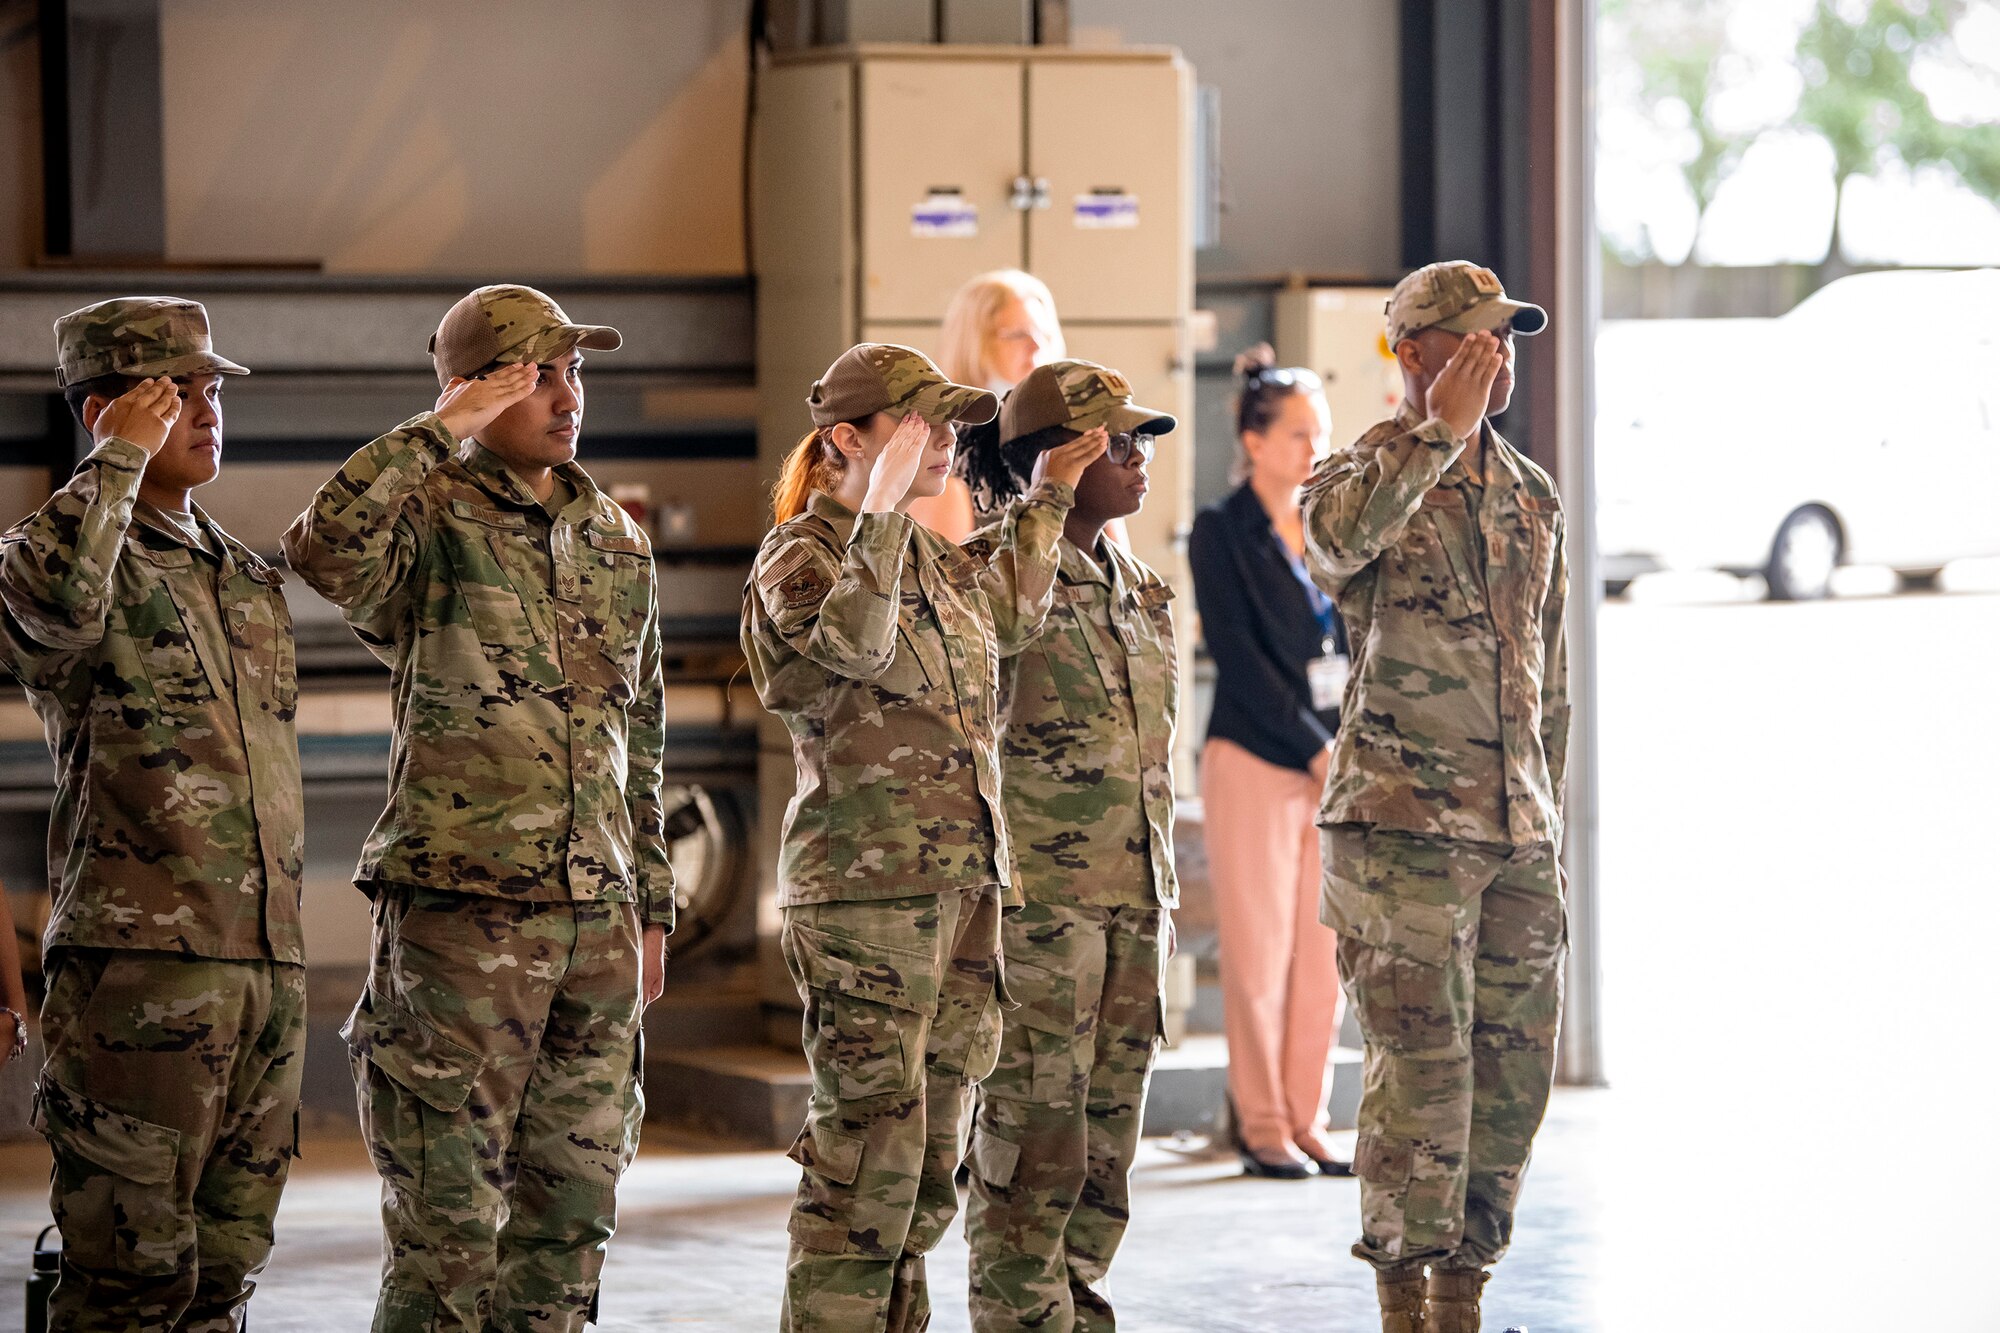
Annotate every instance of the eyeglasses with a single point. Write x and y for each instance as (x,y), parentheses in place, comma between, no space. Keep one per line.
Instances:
(1125,445)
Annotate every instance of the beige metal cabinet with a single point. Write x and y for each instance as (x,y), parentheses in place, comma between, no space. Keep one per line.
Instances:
(940,147)
(1337,333)
(1107,153)
(885,176)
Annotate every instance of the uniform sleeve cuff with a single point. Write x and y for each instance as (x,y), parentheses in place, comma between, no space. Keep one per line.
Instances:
(1058,493)
(429,427)
(1435,431)
(882,532)
(121,453)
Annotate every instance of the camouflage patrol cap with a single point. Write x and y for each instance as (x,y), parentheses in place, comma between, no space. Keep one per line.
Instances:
(1459,297)
(887,377)
(1079,396)
(140,336)
(509,323)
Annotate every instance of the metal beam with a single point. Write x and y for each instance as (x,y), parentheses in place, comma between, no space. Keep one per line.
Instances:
(1498,135)
(314,325)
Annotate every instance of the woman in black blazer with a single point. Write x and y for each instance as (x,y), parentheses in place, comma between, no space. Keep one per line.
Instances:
(1280,655)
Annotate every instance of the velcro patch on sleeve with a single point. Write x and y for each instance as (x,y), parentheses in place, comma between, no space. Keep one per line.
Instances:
(794,579)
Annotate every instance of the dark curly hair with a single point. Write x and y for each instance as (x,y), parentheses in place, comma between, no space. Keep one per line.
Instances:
(997,473)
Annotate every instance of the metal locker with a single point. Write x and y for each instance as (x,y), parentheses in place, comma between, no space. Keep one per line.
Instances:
(940,147)
(1337,333)
(1109,149)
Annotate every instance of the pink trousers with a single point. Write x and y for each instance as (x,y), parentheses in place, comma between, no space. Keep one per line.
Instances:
(1280,983)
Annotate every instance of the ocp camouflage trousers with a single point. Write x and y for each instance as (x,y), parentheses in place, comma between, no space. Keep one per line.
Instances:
(1059,1117)
(496,1056)
(1452,956)
(902,1016)
(170,1101)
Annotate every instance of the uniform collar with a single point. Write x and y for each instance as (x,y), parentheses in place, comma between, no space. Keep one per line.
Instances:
(1502,463)
(1074,565)
(829,510)
(214,547)
(503,483)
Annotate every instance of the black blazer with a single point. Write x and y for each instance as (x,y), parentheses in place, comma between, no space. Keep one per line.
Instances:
(1261,631)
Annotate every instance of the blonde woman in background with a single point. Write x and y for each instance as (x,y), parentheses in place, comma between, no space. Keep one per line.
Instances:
(998,327)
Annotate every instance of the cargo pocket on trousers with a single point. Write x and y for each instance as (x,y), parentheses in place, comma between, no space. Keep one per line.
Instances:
(1046,1012)
(1396,962)
(413,1085)
(870,1009)
(994,1158)
(114,1185)
(832,1161)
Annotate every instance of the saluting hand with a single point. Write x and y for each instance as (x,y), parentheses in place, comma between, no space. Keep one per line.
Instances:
(144,415)
(1066,462)
(1458,396)
(896,466)
(468,406)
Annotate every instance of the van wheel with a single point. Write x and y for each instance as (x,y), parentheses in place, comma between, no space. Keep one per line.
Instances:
(1804,555)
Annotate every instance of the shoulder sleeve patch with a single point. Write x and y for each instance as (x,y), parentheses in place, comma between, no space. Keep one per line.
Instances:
(792,578)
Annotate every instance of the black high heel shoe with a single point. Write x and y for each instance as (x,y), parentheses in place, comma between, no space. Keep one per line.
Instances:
(1328,1166)
(1253,1165)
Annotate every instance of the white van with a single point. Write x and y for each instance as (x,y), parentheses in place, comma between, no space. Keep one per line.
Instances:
(1862,427)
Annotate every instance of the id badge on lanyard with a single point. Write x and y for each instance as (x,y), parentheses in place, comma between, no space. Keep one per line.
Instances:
(1327,674)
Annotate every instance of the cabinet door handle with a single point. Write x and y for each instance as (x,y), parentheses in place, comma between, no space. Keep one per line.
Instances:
(1022,196)
(1041,192)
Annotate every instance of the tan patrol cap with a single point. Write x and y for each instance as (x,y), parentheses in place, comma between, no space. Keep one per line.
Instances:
(1079,396)
(141,336)
(887,377)
(509,323)
(1459,297)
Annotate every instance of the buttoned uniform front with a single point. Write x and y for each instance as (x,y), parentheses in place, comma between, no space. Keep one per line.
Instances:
(1456,717)
(525,657)
(876,641)
(523,831)
(159,655)
(1441,822)
(165,677)
(1087,758)
(879,645)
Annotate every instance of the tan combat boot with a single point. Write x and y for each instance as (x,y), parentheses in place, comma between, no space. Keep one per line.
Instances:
(1401,1293)
(1451,1302)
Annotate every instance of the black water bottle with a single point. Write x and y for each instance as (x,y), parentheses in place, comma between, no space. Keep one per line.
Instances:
(42,1281)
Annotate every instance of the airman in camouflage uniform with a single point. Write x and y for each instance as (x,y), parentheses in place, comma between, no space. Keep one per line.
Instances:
(879,645)
(158,651)
(1443,545)
(1087,777)
(521,858)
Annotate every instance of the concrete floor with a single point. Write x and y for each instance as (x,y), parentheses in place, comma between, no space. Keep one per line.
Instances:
(1799,909)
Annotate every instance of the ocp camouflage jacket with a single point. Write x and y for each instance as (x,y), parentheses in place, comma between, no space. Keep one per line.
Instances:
(1456,717)
(1087,756)
(878,643)
(525,661)
(166,681)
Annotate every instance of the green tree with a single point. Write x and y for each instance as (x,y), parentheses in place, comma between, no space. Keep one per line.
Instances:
(1677,48)
(1858,59)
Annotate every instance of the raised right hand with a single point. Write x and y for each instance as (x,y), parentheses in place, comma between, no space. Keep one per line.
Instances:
(1459,394)
(896,466)
(144,415)
(468,406)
